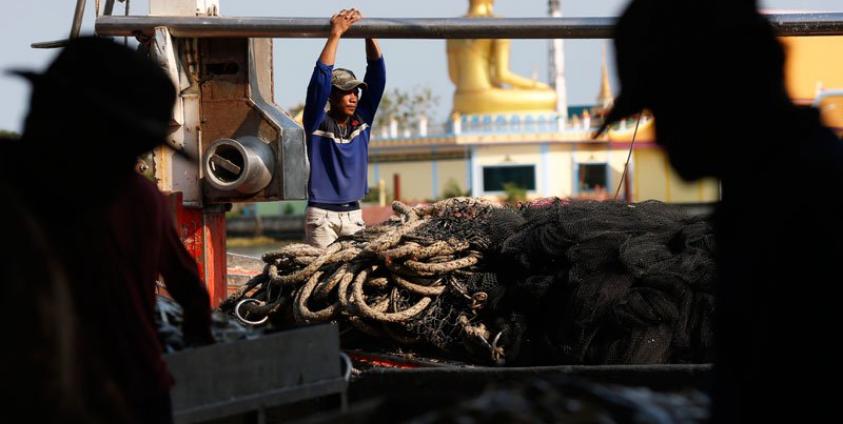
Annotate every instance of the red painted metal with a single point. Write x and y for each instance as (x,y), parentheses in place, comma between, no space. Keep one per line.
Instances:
(215,255)
(203,233)
(377,361)
(396,186)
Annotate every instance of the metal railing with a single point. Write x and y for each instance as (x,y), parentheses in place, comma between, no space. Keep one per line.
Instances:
(495,127)
(795,24)
(488,125)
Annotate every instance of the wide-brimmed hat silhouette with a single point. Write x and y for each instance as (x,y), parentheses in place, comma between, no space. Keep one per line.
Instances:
(665,45)
(95,82)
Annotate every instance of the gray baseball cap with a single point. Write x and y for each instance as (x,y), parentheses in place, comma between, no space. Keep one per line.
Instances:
(344,80)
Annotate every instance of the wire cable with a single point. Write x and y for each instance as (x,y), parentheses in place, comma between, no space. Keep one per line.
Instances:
(628,157)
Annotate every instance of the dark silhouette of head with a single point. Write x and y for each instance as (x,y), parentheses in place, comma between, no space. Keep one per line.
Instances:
(96,108)
(710,72)
(96,236)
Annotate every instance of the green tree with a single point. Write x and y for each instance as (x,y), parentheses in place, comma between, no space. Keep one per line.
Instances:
(298,107)
(406,107)
(9,134)
(452,189)
(373,196)
(514,193)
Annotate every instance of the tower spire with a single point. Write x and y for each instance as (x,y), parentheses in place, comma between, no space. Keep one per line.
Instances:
(605,98)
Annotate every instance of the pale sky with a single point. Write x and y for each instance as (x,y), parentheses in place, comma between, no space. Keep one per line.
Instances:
(410,63)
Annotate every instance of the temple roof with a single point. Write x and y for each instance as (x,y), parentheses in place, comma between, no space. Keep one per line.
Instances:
(605,98)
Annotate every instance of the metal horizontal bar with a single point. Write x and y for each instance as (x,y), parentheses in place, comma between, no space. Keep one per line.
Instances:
(50,44)
(422,28)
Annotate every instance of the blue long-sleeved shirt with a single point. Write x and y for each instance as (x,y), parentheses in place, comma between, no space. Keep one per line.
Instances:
(338,162)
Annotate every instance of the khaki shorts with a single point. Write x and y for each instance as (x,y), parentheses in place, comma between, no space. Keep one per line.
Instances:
(322,227)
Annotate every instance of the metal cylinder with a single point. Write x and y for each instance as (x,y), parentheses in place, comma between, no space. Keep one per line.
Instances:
(424,28)
(241,165)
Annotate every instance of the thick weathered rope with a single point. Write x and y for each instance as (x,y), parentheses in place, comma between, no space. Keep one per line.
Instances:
(382,281)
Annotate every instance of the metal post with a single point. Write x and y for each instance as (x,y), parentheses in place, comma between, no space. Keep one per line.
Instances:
(557,67)
(202,230)
(797,24)
(109,7)
(396,187)
(77,19)
(201,226)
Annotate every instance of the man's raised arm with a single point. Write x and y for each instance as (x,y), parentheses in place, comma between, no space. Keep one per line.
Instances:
(375,80)
(319,88)
(373,50)
(340,23)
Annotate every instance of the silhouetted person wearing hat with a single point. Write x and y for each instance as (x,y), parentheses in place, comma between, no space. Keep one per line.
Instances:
(780,223)
(338,141)
(108,232)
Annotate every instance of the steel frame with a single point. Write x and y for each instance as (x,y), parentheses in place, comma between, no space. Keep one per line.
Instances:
(795,24)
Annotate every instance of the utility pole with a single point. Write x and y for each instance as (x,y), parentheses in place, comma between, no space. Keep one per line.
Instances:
(557,66)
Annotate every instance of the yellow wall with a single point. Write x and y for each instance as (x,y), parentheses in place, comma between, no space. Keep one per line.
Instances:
(560,173)
(813,61)
(654,179)
(417,177)
(506,155)
(452,169)
(648,173)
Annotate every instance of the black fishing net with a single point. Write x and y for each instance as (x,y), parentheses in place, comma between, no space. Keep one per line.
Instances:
(485,228)
(610,282)
(567,400)
(439,324)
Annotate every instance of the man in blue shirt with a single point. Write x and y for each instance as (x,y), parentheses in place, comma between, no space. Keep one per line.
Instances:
(338,141)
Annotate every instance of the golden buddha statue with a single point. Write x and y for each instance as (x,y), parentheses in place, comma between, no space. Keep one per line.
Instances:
(484,83)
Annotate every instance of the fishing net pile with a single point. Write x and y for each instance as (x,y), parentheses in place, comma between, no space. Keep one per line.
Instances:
(579,282)
(571,400)
(169,318)
(614,283)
